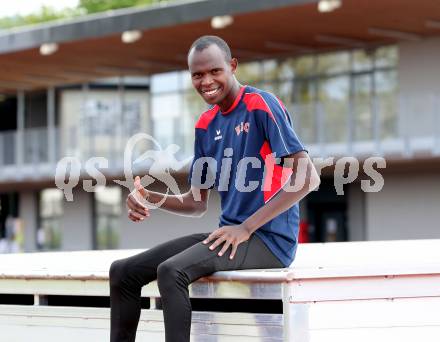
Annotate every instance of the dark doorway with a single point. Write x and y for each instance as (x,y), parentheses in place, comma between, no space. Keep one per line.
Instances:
(327,213)
(8,112)
(8,208)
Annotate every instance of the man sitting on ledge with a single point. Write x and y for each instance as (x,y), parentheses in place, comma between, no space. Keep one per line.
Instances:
(258,226)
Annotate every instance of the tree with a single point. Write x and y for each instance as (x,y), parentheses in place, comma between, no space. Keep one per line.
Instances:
(93,6)
(47,13)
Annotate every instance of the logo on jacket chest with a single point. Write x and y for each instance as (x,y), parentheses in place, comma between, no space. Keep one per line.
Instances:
(218,135)
(242,127)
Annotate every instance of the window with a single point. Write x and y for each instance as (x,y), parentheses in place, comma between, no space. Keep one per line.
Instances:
(108,202)
(165,108)
(333,63)
(166,82)
(11,227)
(386,90)
(193,107)
(362,60)
(333,96)
(249,72)
(386,56)
(50,211)
(305,66)
(349,90)
(286,68)
(35,109)
(303,114)
(361,110)
(98,120)
(271,70)
(175,108)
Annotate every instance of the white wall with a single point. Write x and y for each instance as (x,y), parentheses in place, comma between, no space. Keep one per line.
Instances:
(76,105)
(28,214)
(419,66)
(408,207)
(356,212)
(77,221)
(419,84)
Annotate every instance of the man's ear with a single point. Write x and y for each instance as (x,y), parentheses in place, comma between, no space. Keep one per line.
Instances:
(234,64)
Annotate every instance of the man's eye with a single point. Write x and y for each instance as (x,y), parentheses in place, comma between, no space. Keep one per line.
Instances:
(215,71)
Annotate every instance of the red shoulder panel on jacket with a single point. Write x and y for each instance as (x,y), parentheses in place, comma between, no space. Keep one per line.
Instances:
(255,101)
(206,118)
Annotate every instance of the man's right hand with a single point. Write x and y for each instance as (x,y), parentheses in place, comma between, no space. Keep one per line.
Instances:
(137,211)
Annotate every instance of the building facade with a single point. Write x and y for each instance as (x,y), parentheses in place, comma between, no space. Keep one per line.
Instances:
(380,100)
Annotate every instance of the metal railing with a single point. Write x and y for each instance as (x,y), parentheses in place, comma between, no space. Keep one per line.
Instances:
(8,148)
(35,147)
(393,127)
(29,159)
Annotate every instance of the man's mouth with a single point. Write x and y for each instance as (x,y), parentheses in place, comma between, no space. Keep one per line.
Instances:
(211,92)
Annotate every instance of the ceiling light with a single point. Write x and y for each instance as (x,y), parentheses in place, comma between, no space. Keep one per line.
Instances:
(132,36)
(221,21)
(325,6)
(47,49)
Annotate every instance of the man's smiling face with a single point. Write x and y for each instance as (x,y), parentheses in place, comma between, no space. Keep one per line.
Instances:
(212,75)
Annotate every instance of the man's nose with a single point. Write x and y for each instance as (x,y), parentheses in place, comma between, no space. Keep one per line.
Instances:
(207,80)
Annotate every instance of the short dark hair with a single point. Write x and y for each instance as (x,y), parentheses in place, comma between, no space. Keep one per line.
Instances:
(203,42)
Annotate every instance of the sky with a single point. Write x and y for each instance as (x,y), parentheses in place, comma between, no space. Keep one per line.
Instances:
(23,7)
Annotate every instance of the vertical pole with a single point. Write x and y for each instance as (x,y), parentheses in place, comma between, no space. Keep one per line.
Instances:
(150,122)
(376,120)
(153,303)
(182,118)
(40,300)
(435,103)
(350,111)
(83,129)
(319,112)
(120,128)
(320,119)
(375,112)
(2,157)
(295,317)
(19,146)
(51,124)
(404,118)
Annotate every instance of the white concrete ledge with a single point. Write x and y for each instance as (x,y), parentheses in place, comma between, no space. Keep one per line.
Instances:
(351,291)
(313,261)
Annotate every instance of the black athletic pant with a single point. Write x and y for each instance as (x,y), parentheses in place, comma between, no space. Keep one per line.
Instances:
(175,264)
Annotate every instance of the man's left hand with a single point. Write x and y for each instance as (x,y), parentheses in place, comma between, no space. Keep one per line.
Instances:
(229,235)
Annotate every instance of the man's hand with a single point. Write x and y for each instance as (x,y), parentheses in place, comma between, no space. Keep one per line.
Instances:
(137,211)
(229,235)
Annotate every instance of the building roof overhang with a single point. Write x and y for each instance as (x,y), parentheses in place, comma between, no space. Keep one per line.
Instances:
(91,47)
